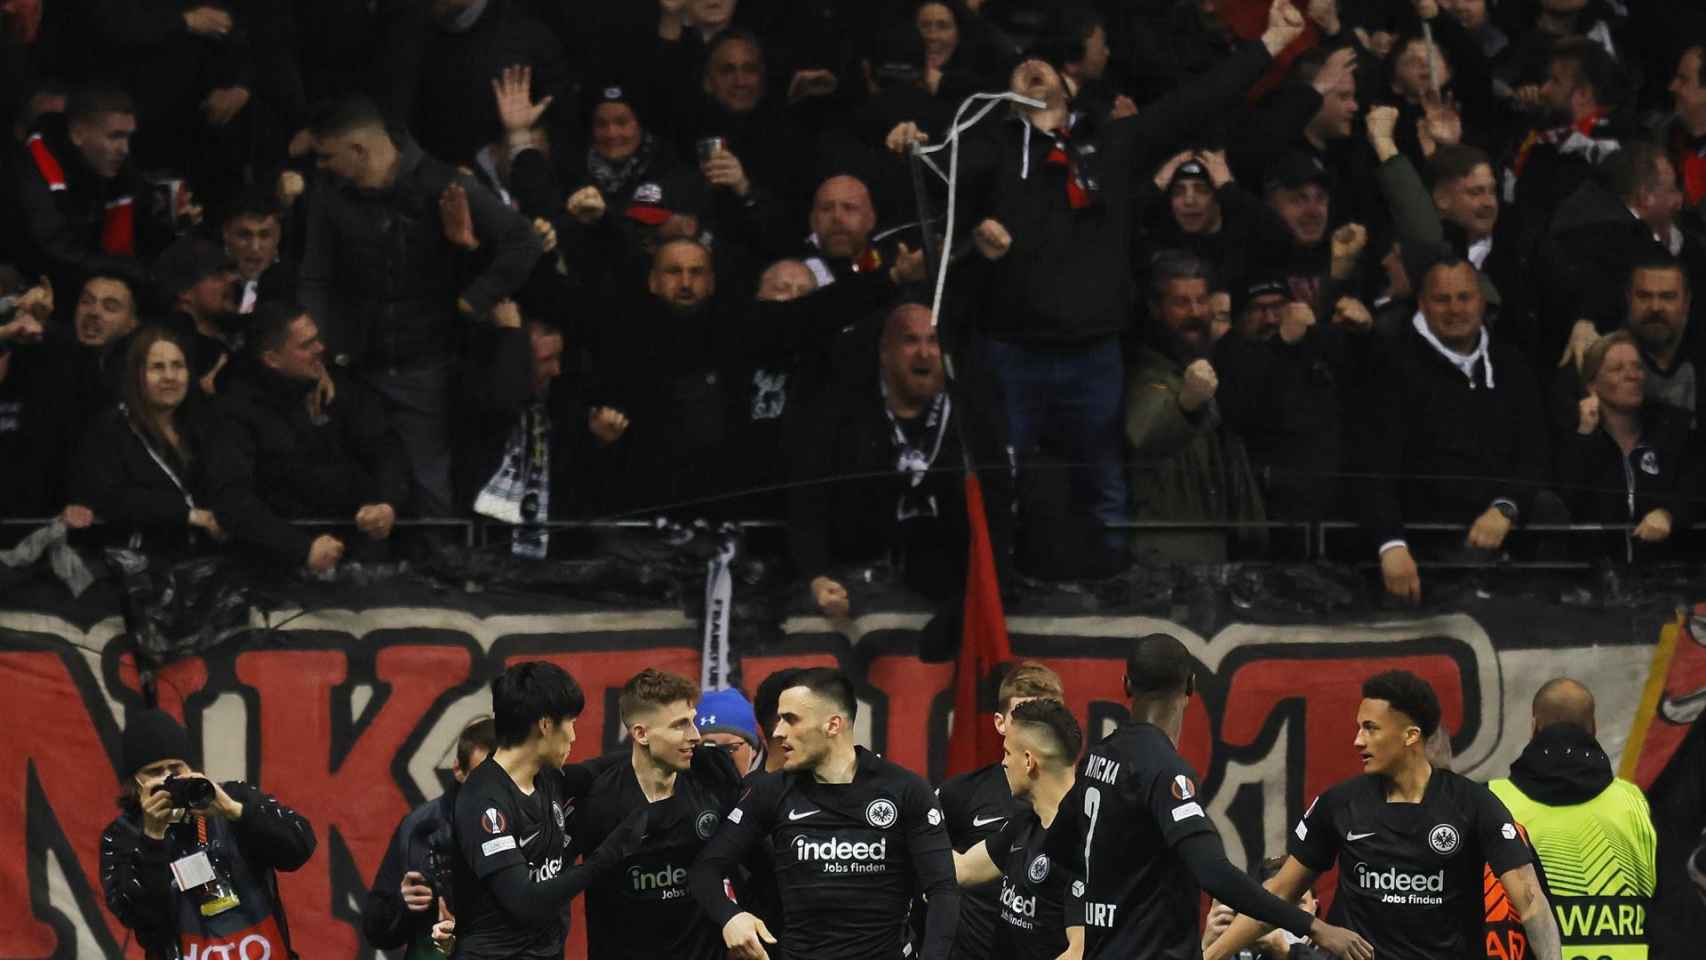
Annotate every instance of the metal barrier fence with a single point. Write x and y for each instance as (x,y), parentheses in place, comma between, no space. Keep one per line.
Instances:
(1312,537)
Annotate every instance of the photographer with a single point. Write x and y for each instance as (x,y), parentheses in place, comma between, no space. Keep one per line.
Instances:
(400,906)
(189,864)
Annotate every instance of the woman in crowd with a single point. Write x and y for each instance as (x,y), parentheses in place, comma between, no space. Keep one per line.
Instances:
(141,464)
(1629,459)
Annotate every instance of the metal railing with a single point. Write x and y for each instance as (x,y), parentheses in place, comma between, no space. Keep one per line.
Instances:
(1312,535)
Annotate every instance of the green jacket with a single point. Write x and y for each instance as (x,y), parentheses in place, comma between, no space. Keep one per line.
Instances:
(1184,466)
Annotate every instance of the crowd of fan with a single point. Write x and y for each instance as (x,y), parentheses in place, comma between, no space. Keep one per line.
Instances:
(1411,261)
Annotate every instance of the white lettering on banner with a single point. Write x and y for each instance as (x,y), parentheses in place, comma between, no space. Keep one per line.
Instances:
(251,947)
(498,845)
(719,598)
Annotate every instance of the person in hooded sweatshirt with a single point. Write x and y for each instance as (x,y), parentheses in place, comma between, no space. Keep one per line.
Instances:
(1592,830)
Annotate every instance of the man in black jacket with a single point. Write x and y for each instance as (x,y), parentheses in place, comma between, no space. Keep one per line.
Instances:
(1049,201)
(222,843)
(402,906)
(291,453)
(1455,429)
(388,276)
(81,205)
(878,473)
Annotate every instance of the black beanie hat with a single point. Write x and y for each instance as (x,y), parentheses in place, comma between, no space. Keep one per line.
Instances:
(152,736)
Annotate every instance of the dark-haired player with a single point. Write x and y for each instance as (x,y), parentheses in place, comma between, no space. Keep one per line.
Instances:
(854,838)
(1134,830)
(1040,746)
(977,805)
(511,875)
(1410,841)
(642,911)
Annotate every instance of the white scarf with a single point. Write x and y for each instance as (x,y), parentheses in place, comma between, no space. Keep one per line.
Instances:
(1462,361)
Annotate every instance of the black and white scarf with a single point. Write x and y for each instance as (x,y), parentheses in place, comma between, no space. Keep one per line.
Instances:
(912,460)
(519,493)
(615,178)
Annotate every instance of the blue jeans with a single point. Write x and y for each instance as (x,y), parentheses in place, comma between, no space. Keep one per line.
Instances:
(1075,399)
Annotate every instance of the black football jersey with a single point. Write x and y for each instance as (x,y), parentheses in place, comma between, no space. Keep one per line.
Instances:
(1134,800)
(1032,892)
(976,806)
(1410,874)
(644,911)
(496,827)
(849,858)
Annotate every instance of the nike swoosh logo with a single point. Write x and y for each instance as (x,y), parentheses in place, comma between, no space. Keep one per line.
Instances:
(985,821)
(797,815)
(1354,837)
(1016,849)
(531,837)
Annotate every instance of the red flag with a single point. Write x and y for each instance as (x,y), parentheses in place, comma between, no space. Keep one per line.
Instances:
(973,742)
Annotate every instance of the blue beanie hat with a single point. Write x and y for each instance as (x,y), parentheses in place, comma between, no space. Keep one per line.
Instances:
(727,711)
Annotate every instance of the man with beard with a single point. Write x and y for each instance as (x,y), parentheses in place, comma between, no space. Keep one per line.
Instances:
(199,283)
(1454,429)
(1285,377)
(1579,126)
(666,369)
(1186,465)
(1659,297)
(876,471)
(1596,237)
(842,219)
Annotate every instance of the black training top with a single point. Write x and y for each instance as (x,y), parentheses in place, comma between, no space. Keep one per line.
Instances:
(1032,924)
(976,806)
(1134,801)
(643,910)
(849,859)
(1410,874)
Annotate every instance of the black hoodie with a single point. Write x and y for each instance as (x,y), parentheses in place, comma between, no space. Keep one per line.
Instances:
(1562,766)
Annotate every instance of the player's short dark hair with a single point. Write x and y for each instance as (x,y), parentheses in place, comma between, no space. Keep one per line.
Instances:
(269,325)
(344,115)
(91,103)
(1056,725)
(1159,665)
(481,734)
(1027,678)
(770,691)
(654,688)
(832,685)
(1454,161)
(1408,694)
(531,691)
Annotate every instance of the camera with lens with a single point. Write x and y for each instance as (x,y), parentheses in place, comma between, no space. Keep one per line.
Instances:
(191,793)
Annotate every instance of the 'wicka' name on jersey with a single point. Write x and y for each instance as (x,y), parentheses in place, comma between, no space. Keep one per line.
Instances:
(844,856)
(668,882)
(1103,769)
(546,871)
(1396,886)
